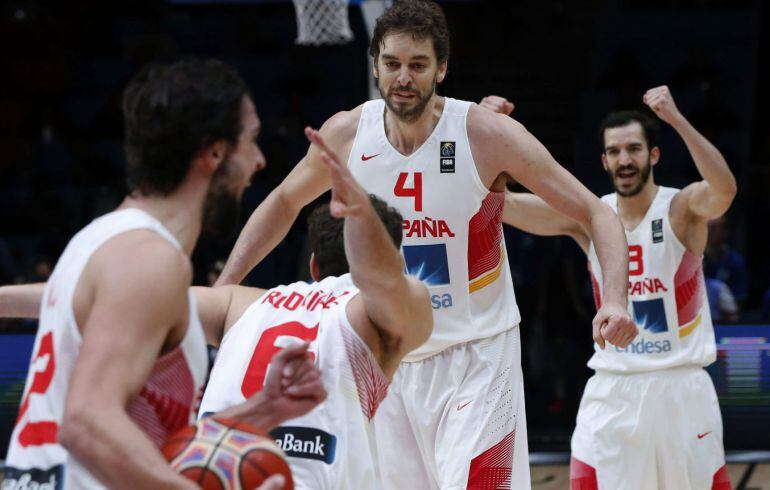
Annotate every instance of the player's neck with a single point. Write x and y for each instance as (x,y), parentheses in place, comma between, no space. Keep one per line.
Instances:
(407,137)
(180,212)
(632,210)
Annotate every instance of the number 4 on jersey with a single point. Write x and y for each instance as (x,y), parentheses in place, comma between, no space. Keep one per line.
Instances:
(415,191)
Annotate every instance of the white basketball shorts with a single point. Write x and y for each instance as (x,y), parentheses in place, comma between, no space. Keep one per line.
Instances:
(660,430)
(456,420)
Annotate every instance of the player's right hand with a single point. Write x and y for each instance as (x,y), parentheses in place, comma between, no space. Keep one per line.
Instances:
(613,324)
(495,103)
(348,197)
(293,384)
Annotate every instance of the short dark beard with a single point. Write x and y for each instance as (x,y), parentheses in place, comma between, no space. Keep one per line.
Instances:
(644,172)
(222,208)
(413,114)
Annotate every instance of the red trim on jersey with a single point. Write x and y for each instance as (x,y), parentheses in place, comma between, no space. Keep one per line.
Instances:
(689,288)
(492,468)
(721,480)
(485,235)
(165,403)
(581,475)
(371,382)
(595,288)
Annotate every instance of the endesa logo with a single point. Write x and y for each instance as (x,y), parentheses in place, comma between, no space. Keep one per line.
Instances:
(650,316)
(306,442)
(34,479)
(428,263)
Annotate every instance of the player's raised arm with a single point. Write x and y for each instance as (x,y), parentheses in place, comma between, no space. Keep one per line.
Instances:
(139,296)
(272,219)
(21,300)
(398,305)
(501,146)
(532,214)
(712,196)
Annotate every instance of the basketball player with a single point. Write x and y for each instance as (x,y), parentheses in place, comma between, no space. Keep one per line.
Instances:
(649,417)
(359,325)
(120,358)
(454,416)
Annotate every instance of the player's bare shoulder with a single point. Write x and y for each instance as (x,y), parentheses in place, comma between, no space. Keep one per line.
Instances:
(339,131)
(494,139)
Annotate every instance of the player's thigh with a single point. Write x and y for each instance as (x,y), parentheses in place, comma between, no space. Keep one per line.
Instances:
(400,459)
(484,427)
(611,445)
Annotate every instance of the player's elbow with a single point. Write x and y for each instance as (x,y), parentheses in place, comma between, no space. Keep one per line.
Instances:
(76,430)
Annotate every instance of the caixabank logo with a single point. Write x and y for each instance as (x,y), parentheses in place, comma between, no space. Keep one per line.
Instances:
(650,317)
(306,442)
(429,264)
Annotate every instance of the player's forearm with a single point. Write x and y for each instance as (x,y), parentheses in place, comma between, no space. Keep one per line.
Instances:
(258,411)
(711,165)
(612,250)
(21,301)
(375,264)
(264,230)
(117,452)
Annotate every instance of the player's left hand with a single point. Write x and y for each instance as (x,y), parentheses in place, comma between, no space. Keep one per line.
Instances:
(495,103)
(348,197)
(293,384)
(660,100)
(613,324)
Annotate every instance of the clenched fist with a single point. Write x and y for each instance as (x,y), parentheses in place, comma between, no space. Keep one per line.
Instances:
(660,100)
(613,324)
(497,104)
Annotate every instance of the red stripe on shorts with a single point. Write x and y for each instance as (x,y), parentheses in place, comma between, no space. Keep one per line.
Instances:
(491,470)
(582,476)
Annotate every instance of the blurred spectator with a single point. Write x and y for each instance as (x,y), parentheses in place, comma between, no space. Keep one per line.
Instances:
(722,262)
(213,272)
(41,270)
(721,302)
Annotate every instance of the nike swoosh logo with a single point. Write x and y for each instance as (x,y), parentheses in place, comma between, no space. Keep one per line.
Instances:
(365,158)
(460,407)
(701,436)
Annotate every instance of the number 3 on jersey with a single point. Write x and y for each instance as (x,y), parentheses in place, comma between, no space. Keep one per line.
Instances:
(254,379)
(401,190)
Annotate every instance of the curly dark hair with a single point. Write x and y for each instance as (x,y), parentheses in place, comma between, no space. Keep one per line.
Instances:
(326,241)
(424,19)
(171,112)
(650,126)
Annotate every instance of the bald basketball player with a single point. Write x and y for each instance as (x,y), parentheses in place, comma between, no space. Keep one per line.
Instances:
(120,358)
(454,416)
(649,417)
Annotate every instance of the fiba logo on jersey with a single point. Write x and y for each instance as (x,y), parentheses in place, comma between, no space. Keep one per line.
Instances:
(447,157)
(657,230)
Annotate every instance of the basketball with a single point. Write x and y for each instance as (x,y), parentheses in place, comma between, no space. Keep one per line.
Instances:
(224,454)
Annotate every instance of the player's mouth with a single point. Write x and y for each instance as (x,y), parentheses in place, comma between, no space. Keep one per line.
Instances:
(626,175)
(404,96)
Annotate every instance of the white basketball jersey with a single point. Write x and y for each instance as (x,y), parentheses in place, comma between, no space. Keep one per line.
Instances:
(165,404)
(330,447)
(453,236)
(666,297)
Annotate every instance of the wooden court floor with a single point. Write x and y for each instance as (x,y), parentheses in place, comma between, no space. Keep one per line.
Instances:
(557,477)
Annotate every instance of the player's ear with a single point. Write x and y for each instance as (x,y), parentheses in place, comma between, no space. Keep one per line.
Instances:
(213,155)
(604,161)
(375,69)
(442,68)
(654,155)
(314,273)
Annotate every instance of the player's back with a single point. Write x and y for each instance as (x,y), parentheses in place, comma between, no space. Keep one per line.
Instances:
(329,448)
(164,405)
(453,237)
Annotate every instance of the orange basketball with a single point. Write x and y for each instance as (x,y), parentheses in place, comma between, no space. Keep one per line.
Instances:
(223,454)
